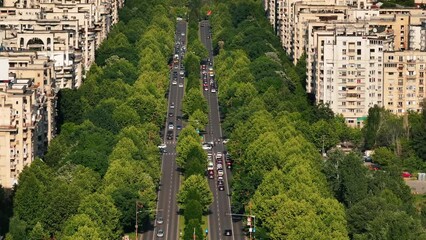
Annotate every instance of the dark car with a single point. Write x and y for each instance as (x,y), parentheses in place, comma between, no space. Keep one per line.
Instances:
(171,114)
(169,135)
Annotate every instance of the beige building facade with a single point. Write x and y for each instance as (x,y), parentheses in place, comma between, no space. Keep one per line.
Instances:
(356,53)
(404,81)
(45,46)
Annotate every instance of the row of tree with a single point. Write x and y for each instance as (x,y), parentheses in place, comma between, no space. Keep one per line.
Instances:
(277,174)
(194,195)
(276,135)
(105,158)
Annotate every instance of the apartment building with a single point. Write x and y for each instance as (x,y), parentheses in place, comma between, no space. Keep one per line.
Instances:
(45,46)
(347,44)
(404,80)
(347,67)
(22,124)
(284,16)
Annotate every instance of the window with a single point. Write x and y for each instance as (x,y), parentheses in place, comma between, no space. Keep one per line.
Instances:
(344,51)
(372,50)
(358,51)
(390,57)
(358,43)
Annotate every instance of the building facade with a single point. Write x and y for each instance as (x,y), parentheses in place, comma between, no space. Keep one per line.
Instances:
(346,44)
(45,46)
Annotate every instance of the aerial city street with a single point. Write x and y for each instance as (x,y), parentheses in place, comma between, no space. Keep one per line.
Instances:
(212,120)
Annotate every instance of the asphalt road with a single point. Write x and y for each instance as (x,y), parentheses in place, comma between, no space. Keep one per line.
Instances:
(220,218)
(169,186)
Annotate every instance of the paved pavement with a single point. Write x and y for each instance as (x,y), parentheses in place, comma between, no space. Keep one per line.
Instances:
(220,218)
(169,186)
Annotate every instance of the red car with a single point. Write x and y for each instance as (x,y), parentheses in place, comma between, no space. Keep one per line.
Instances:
(406,175)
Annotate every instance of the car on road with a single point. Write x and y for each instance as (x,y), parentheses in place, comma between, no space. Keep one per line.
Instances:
(160,220)
(220,172)
(211,174)
(219,166)
(169,135)
(220,178)
(171,126)
(207,146)
(213,90)
(174,82)
(206,88)
(221,187)
(180,84)
(178,127)
(225,141)
(160,233)
(228,232)
(210,165)
(171,114)
(172,105)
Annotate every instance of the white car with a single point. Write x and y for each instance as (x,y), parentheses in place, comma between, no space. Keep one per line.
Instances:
(174,82)
(220,178)
(172,106)
(160,233)
(180,84)
(207,146)
(219,166)
(220,173)
(225,141)
(160,220)
(171,127)
(213,90)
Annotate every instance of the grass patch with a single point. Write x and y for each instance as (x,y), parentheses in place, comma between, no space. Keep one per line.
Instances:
(204,226)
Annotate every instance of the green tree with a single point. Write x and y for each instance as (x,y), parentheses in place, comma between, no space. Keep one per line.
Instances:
(385,157)
(100,208)
(198,119)
(17,229)
(194,210)
(192,101)
(195,184)
(38,233)
(354,180)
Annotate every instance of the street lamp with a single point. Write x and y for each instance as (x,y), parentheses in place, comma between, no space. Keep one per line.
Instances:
(137,205)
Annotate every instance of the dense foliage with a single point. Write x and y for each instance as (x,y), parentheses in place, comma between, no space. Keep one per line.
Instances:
(105,158)
(276,135)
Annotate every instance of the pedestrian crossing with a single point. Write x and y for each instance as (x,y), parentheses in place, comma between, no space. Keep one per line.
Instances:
(169,154)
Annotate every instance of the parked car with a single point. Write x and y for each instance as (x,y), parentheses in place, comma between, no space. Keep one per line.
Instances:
(406,175)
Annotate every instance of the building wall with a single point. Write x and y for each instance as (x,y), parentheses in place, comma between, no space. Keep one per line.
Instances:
(404,86)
